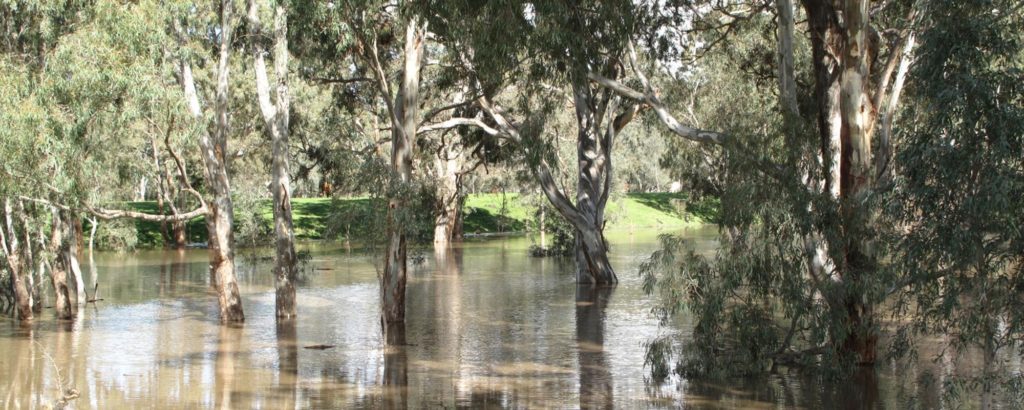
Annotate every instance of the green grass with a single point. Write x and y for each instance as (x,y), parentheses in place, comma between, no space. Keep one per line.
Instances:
(483,213)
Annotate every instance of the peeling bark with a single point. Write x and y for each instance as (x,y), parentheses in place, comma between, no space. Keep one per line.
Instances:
(448,223)
(213,146)
(276,121)
(404,111)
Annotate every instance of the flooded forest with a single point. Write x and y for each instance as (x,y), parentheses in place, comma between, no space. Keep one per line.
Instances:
(512,204)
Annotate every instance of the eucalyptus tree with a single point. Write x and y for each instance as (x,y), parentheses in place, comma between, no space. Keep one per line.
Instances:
(213,146)
(276,121)
(374,54)
(807,245)
(30,32)
(958,171)
(95,119)
(546,50)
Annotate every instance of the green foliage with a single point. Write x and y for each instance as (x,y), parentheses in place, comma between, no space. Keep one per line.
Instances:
(959,176)
(943,235)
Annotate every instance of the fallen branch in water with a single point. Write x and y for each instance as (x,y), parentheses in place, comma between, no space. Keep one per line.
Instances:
(95,291)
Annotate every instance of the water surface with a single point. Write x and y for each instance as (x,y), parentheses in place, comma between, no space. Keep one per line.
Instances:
(487,327)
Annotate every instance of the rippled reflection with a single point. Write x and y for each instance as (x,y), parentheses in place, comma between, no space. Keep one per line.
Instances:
(487,327)
(595,376)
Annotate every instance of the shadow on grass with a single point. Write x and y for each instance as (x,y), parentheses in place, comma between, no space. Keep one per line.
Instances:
(481,220)
(677,204)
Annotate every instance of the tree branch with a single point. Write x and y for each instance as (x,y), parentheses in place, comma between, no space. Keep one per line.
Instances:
(455,122)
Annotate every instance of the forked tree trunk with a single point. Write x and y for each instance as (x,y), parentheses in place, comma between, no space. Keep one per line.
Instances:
(276,117)
(599,121)
(594,174)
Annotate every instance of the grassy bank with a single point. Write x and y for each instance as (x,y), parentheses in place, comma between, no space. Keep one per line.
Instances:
(355,218)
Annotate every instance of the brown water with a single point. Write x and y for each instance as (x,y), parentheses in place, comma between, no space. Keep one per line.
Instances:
(487,327)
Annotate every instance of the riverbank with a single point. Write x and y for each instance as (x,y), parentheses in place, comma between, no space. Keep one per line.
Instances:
(484,214)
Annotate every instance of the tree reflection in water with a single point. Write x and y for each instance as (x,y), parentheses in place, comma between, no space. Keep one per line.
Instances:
(595,377)
(395,383)
(287,362)
(227,349)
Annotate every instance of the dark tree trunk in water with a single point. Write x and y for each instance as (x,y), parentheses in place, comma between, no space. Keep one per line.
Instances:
(596,390)
(288,360)
(178,238)
(396,369)
(276,120)
(403,133)
(9,241)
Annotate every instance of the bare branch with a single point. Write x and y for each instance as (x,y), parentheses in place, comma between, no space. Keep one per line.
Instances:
(455,122)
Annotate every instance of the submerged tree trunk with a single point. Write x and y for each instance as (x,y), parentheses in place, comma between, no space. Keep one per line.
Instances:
(72,250)
(403,132)
(276,117)
(599,122)
(58,270)
(9,241)
(856,177)
(593,183)
(213,146)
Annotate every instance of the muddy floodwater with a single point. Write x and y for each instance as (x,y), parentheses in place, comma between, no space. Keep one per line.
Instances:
(487,327)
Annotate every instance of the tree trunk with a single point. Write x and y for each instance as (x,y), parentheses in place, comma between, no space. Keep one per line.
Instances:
(448,223)
(855,177)
(72,250)
(594,161)
(93,271)
(213,146)
(178,237)
(58,271)
(221,216)
(826,45)
(592,265)
(543,227)
(22,298)
(843,56)
(403,132)
(276,120)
